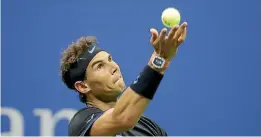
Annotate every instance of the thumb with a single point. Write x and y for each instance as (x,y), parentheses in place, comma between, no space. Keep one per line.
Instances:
(154,35)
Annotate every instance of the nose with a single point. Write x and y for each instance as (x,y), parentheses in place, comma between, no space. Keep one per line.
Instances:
(114,71)
(114,68)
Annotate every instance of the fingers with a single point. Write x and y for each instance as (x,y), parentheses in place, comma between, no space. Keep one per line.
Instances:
(173,31)
(161,36)
(154,35)
(180,31)
(159,40)
(183,35)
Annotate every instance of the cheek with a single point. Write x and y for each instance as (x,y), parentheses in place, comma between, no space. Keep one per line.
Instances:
(100,80)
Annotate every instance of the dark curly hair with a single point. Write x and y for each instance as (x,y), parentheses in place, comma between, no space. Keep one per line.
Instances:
(70,55)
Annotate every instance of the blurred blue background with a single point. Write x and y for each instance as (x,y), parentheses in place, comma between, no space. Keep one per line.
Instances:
(211,88)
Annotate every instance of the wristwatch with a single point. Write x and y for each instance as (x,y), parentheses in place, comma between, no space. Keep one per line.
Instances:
(158,62)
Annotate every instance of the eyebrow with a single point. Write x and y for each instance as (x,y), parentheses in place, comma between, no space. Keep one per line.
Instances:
(98,61)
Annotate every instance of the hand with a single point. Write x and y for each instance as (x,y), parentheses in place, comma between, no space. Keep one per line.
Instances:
(166,46)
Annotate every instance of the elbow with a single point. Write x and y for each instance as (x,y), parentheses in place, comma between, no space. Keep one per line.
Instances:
(127,122)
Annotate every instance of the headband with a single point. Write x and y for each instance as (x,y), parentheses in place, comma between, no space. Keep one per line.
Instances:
(78,69)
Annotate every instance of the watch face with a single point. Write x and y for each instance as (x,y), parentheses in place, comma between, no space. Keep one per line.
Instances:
(158,62)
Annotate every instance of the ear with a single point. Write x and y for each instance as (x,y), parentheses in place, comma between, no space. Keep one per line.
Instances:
(82,87)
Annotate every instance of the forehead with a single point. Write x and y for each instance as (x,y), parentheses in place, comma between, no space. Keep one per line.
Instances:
(99,56)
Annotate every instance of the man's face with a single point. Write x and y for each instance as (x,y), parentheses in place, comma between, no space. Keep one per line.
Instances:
(104,77)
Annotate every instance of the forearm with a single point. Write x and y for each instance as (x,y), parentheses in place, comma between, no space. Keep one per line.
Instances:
(122,117)
(131,105)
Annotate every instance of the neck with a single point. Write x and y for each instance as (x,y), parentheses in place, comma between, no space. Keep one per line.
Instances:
(92,101)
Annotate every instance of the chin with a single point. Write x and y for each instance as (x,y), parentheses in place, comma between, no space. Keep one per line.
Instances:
(121,86)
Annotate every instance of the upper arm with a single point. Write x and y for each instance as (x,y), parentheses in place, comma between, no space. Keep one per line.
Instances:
(107,125)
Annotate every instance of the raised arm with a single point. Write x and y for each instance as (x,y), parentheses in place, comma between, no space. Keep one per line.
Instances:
(133,102)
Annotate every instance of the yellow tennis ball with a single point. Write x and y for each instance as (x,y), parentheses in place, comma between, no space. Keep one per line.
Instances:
(170,17)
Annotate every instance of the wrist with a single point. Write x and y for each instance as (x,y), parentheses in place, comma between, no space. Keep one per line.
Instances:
(158,63)
(147,82)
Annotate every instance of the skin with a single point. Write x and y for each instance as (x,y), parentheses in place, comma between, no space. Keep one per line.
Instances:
(104,80)
(102,90)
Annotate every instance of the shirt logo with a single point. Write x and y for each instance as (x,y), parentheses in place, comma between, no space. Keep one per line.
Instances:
(91,118)
(137,79)
(91,51)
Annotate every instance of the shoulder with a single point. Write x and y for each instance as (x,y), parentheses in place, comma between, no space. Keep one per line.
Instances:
(83,120)
(85,112)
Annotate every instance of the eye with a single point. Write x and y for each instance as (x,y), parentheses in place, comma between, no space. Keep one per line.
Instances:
(100,66)
(110,58)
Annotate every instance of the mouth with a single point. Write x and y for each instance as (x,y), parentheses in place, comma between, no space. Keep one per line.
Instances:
(116,78)
(116,81)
